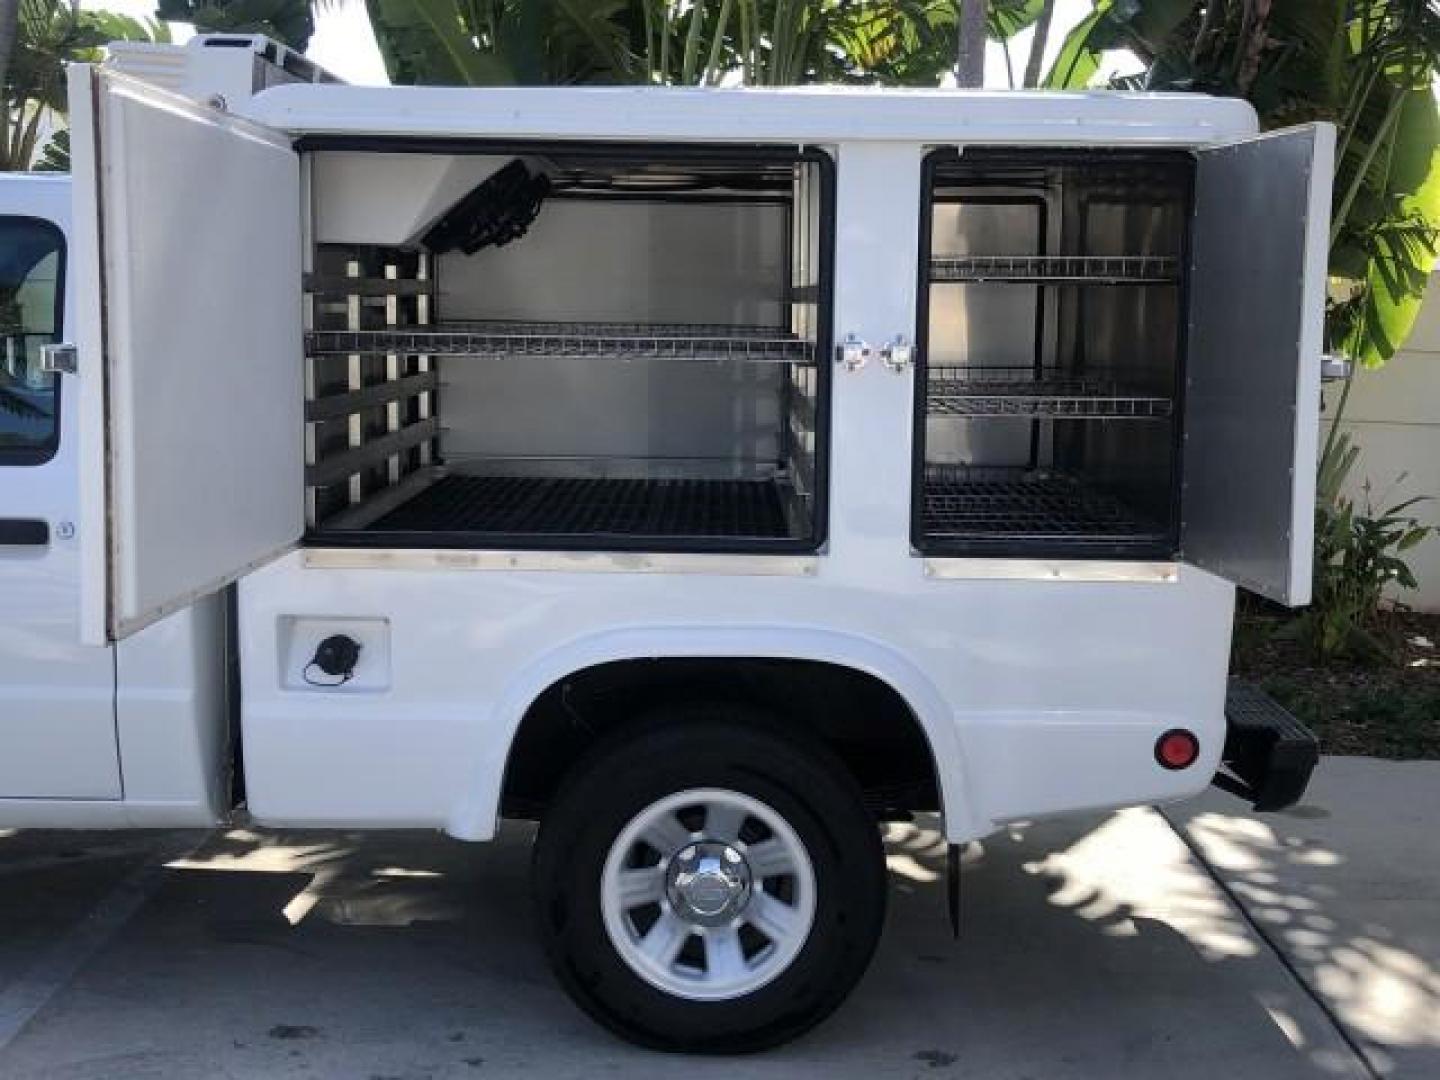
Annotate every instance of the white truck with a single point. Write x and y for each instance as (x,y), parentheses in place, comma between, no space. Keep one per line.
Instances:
(705,474)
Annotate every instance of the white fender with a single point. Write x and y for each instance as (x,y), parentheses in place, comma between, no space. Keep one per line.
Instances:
(476,814)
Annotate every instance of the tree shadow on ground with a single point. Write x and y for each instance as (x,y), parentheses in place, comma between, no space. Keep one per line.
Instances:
(1093,947)
(1335,924)
(1108,951)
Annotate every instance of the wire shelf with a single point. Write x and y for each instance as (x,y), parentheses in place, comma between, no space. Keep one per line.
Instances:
(644,508)
(1028,392)
(749,344)
(1020,505)
(1058,269)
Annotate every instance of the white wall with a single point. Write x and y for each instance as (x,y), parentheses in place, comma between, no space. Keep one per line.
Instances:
(1394,414)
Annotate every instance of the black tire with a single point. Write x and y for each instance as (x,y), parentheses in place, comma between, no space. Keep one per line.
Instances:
(710,747)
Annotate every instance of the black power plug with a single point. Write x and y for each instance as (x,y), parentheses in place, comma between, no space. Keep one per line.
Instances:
(336,656)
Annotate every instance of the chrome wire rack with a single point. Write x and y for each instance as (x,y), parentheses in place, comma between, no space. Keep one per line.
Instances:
(973,391)
(626,341)
(1058,269)
(1020,505)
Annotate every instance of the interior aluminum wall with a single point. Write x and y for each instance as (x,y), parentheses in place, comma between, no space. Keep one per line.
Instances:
(626,261)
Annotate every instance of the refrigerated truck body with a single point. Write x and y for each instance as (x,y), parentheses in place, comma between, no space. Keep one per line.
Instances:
(706,474)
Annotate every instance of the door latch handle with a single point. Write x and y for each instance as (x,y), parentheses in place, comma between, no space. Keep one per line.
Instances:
(1334,368)
(24,532)
(899,354)
(58,359)
(852,353)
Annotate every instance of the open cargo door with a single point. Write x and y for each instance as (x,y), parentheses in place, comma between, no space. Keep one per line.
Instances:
(187,260)
(1252,398)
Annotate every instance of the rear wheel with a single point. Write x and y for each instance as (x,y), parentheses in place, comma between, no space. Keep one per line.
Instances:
(708,884)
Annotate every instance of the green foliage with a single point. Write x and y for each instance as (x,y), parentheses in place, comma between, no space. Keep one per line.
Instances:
(1395,717)
(1269,53)
(1386,245)
(1117,24)
(1358,554)
(909,44)
(676,42)
(500,42)
(289,21)
(1387,192)
(111,26)
(1367,65)
(55,156)
(1079,57)
(1008,17)
(51,34)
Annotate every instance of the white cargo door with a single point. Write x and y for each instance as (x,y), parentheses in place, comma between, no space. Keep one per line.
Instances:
(1259,246)
(187,252)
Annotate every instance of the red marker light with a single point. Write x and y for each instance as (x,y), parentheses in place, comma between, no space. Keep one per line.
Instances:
(1177,749)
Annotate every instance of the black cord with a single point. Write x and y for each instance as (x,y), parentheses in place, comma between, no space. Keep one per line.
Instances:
(305,674)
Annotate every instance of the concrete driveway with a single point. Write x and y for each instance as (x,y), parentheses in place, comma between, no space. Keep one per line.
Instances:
(1090,948)
(1346,888)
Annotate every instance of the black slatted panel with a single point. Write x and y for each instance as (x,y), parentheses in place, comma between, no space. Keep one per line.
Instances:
(1048,507)
(571,507)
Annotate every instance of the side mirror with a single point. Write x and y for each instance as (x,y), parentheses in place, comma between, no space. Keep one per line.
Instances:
(58,359)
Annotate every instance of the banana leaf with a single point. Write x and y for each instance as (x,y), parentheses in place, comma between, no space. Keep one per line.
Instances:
(1080,52)
(1145,29)
(1006,18)
(1403,244)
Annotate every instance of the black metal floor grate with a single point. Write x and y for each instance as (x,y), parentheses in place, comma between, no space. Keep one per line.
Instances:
(663,509)
(1035,508)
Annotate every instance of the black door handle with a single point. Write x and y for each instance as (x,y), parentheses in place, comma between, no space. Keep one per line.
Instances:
(24,532)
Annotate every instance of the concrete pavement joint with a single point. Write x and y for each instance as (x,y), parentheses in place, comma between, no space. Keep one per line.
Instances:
(1356,1047)
(21,1001)
(67,859)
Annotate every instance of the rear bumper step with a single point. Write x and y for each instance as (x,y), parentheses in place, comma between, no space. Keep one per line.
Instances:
(1269,755)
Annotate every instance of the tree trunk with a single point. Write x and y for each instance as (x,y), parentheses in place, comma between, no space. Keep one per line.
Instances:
(1038,43)
(970,59)
(9,29)
(9,17)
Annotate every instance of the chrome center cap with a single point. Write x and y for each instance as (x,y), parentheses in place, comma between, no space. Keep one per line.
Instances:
(708,883)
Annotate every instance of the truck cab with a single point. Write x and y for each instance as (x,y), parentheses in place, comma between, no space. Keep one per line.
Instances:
(706,475)
(129,733)
(59,695)
(98,733)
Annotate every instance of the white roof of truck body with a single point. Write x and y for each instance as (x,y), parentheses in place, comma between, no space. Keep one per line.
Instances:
(798,115)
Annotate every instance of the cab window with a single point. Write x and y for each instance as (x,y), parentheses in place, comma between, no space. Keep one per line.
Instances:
(32,258)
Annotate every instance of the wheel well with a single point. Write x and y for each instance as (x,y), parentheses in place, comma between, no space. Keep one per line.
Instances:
(860,717)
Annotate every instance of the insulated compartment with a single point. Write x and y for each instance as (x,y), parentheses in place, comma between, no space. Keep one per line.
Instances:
(1048,397)
(567,347)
